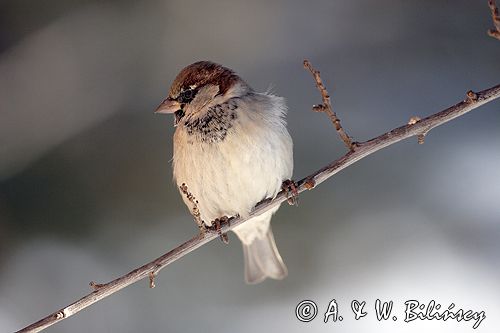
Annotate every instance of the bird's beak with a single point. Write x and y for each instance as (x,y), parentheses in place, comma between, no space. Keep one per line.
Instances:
(168,106)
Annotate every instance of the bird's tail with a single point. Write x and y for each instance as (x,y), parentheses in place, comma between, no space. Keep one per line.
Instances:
(263,260)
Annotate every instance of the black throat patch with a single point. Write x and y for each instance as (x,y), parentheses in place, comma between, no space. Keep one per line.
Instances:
(214,124)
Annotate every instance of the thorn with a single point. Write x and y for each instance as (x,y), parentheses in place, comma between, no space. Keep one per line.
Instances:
(152,276)
(413,120)
(471,96)
(319,108)
(309,184)
(96,286)
(421,138)
(495,33)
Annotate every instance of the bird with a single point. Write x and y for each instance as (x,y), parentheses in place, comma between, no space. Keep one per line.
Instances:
(231,149)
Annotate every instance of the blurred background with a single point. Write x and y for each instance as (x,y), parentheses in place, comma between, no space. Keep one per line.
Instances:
(85,175)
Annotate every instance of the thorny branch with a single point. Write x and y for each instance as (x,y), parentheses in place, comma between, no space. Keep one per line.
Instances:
(326,107)
(415,127)
(495,33)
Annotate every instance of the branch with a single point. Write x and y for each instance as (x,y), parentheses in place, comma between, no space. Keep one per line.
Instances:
(326,107)
(495,33)
(416,127)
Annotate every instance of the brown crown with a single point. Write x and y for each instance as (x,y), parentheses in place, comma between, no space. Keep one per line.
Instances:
(201,73)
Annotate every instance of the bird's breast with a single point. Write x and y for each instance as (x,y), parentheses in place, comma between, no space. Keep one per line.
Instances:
(231,160)
(214,125)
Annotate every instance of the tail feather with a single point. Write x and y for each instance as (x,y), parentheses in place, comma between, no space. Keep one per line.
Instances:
(263,260)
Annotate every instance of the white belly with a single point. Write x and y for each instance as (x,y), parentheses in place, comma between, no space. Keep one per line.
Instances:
(230,176)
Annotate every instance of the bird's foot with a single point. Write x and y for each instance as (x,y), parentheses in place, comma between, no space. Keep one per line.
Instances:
(292,194)
(217,225)
(202,227)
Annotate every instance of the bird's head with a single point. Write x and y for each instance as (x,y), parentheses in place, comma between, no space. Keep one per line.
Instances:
(198,86)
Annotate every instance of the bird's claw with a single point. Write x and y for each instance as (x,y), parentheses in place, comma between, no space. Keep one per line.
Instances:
(292,193)
(217,225)
(203,228)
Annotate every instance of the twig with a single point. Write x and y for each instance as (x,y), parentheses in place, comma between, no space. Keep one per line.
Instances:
(326,107)
(495,33)
(363,149)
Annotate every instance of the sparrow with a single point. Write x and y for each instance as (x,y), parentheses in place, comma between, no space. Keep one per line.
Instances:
(231,150)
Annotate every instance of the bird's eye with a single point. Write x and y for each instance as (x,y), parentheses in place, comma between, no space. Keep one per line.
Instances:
(186,96)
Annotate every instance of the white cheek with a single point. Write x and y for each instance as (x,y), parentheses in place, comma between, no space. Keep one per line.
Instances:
(203,100)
